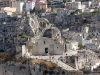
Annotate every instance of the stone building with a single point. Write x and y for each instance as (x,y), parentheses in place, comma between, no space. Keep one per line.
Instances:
(6,3)
(45,46)
(46,37)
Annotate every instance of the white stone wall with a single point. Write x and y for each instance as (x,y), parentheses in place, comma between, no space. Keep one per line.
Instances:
(53,46)
(50,44)
(72,45)
(85,29)
(25,52)
(74,5)
(95,5)
(30,5)
(9,13)
(18,6)
(87,4)
(87,10)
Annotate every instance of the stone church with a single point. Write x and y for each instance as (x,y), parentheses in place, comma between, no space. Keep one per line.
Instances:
(46,38)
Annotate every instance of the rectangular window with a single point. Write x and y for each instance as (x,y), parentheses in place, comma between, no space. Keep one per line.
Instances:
(44,42)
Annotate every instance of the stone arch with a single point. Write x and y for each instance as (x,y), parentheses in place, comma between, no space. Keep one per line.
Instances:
(48,33)
(56,34)
(45,22)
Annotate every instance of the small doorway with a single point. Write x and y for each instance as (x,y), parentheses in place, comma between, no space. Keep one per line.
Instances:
(46,50)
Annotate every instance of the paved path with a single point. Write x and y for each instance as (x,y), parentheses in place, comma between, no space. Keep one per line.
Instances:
(54,59)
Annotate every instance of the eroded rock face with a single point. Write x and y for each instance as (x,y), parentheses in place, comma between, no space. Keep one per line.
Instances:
(12,69)
(40,27)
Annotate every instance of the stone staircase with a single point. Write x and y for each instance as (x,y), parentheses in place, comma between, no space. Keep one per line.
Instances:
(56,61)
(62,65)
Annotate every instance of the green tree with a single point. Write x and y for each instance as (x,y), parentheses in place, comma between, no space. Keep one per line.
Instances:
(96,12)
(64,1)
(48,2)
(47,22)
(86,13)
(24,36)
(86,72)
(78,23)
(54,13)
(14,14)
(78,11)
(81,46)
(52,7)
(72,13)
